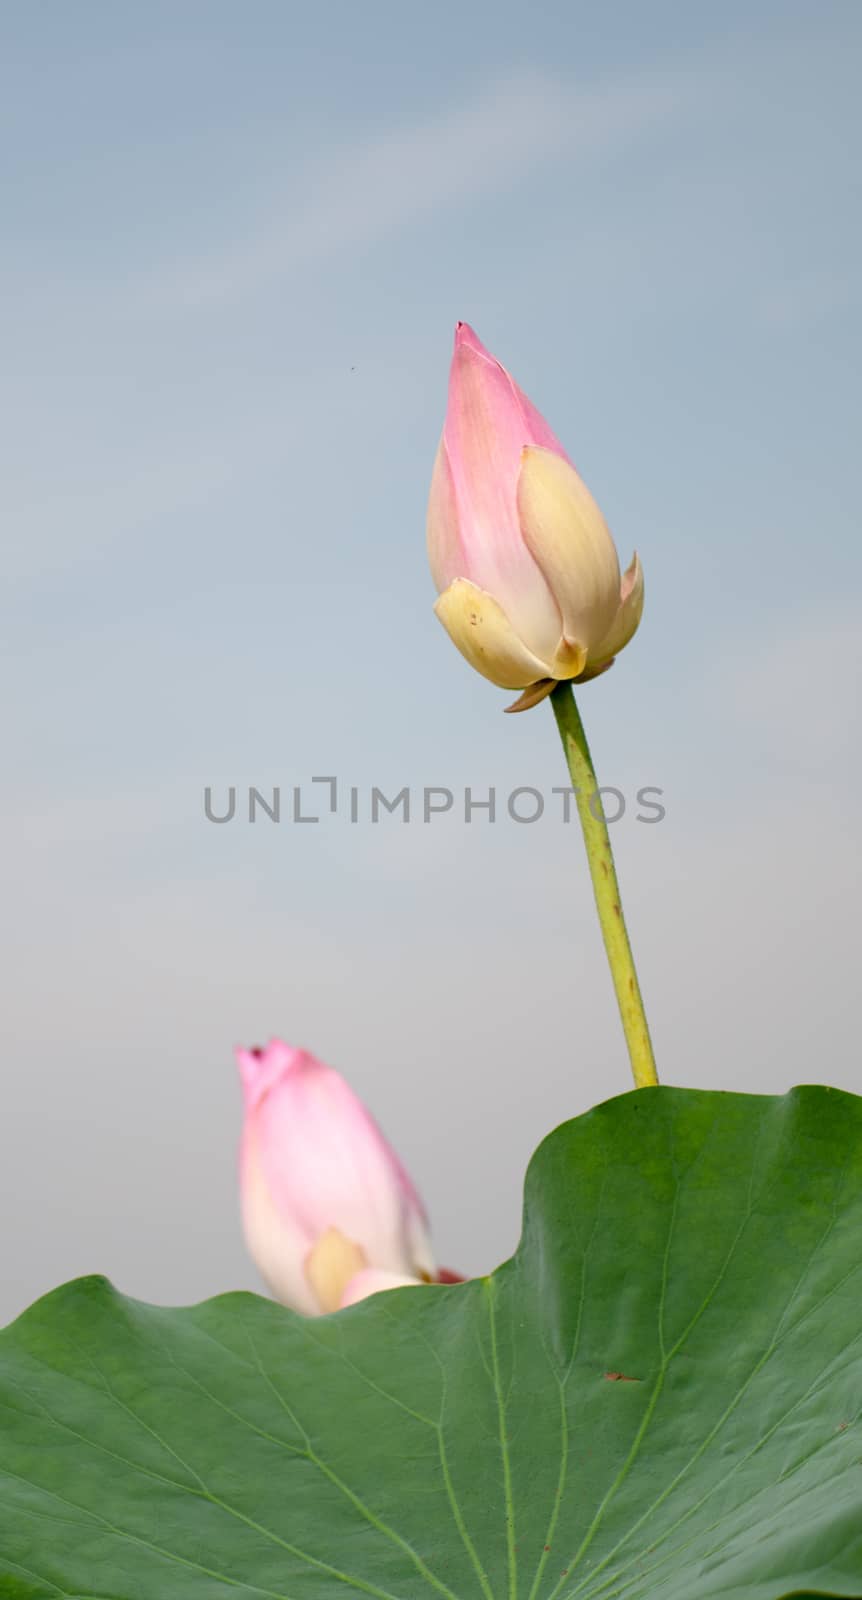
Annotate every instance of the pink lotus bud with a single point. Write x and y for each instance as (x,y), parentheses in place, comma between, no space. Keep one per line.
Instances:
(528,576)
(324,1197)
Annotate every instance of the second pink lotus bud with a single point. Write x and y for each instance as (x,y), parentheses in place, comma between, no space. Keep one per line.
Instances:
(329,1213)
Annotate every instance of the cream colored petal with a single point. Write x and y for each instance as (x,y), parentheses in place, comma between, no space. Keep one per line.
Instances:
(478,625)
(625,623)
(569,659)
(330,1265)
(569,540)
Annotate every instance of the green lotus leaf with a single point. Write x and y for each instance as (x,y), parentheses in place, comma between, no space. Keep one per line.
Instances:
(658,1396)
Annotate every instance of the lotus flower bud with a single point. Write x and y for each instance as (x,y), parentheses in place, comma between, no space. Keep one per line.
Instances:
(526,569)
(326,1204)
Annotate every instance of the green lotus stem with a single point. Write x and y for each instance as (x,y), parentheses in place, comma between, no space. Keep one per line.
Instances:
(605,885)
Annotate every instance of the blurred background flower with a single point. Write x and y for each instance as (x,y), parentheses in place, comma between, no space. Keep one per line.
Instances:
(329,1213)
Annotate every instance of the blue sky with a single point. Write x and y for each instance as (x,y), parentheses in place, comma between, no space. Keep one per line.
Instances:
(236,241)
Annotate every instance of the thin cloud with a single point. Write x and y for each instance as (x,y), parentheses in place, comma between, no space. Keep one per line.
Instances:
(357,197)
